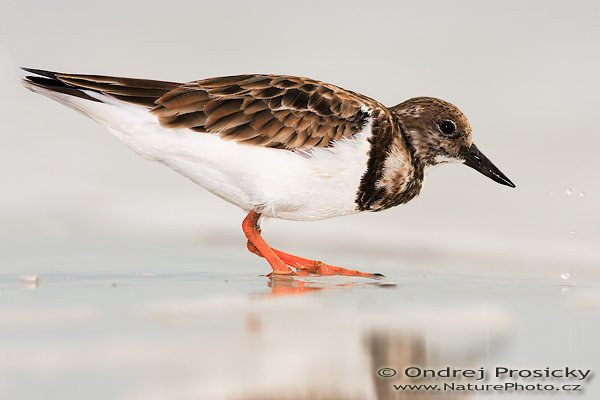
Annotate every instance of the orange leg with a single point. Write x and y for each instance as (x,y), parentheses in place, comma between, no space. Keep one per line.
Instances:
(252,231)
(304,266)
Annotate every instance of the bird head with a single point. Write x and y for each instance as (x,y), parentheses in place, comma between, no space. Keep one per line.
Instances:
(440,133)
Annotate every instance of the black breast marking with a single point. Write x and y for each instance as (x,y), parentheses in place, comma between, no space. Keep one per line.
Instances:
(415,183)
(381,140)
(373,198)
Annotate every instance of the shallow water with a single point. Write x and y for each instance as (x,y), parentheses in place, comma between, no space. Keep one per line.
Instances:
(150,321)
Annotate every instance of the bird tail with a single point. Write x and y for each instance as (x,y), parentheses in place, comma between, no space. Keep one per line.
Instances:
(96,88)
(117,103)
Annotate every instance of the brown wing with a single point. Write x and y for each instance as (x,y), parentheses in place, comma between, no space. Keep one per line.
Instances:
(263,110)
(266,110)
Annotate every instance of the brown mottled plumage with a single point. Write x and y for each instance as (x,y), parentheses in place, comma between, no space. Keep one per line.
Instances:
(266,110)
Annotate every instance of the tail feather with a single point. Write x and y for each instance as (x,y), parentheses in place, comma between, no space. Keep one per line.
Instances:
(142,92)
(55,85)
(40,72)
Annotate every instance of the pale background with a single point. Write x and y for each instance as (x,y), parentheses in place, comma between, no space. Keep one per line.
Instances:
(75,200)
(526,74)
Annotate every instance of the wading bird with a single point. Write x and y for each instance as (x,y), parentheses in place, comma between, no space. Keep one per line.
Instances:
(278,146)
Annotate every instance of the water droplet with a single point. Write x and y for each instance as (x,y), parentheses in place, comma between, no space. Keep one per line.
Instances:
(581,194)
(565,276)
(572,232)
(570,191)
(29,281)
(29,278)
(551,193)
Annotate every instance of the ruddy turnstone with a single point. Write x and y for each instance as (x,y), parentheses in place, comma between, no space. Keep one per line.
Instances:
(278,146)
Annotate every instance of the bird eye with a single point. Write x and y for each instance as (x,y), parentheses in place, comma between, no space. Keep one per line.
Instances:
(447,127)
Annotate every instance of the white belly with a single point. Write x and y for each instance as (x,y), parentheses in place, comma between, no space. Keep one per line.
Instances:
(315,184)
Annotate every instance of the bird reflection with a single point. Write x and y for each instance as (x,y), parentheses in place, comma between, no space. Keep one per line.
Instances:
(284,285)
(287,344)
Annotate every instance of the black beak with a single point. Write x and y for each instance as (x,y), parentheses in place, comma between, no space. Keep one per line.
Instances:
(476,160)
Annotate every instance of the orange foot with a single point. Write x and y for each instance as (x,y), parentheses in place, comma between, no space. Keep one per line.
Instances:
(281,261)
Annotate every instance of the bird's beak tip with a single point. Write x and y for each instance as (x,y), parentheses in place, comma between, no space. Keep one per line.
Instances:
(475,159)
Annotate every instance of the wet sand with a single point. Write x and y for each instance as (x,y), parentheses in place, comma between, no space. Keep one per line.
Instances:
(191,322)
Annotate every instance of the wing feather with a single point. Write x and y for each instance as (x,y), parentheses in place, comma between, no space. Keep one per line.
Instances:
(284,111)
(276,111)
